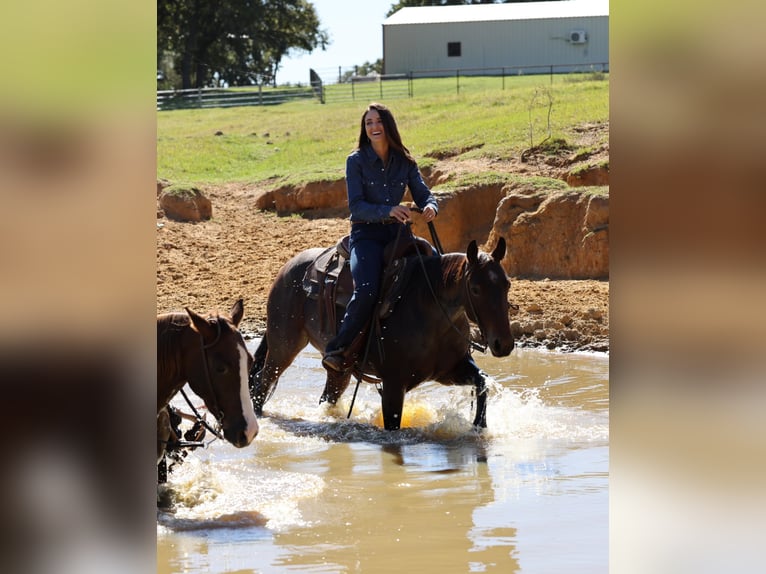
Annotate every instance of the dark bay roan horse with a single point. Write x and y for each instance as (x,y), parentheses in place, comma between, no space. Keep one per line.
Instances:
(210,354)
(426,337)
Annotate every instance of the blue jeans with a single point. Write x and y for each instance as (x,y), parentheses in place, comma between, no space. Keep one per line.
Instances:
(367,242)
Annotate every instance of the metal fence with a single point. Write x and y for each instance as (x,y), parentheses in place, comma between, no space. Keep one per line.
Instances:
(360,87)
(504,72)
(230,97)
(369,88)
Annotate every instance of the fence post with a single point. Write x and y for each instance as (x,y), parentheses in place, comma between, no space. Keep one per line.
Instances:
(457,80)
(551,75)
(410,84)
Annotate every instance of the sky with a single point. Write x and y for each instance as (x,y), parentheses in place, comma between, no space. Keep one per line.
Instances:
(356,36)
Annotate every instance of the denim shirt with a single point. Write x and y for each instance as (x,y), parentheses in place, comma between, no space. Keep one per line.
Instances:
(373,189)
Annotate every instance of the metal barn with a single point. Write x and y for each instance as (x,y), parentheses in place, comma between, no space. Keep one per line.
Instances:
(527,37)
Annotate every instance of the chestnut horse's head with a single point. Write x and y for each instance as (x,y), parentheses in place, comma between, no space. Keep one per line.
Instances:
(486,297)
(218,374)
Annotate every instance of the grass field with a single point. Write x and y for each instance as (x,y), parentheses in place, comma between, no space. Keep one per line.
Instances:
(305,140)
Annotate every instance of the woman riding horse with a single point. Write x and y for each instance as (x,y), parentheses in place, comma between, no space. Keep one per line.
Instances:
(377,172)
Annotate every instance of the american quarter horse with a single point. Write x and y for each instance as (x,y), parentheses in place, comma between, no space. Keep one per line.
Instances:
(425,337)
(210,354)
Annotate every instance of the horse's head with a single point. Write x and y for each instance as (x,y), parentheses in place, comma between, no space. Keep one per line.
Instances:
(486,296)
(220,375)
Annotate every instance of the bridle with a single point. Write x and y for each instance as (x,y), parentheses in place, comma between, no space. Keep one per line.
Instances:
(472,315)
(466,278)
(440,250)
(216,411)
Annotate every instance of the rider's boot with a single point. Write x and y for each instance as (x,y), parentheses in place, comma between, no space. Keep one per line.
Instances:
(343,358)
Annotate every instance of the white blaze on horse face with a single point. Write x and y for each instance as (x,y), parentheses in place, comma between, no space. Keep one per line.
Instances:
(244,395)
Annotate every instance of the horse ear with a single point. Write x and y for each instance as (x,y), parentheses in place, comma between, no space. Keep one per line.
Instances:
(499,251)
(237,312)
(472,253)
(201,324)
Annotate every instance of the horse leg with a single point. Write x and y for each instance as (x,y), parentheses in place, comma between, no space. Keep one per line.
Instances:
(467,372)
(335,385)
(258,392)
(256,376)
(392,404)
(278,358)
(266,383)
(480,383)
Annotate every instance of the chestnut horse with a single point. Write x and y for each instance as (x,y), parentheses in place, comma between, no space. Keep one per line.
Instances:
(210,354)
(426,336)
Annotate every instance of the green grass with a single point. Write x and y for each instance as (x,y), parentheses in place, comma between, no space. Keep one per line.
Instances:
(305,140)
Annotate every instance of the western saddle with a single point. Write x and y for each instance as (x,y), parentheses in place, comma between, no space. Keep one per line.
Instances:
(328,280)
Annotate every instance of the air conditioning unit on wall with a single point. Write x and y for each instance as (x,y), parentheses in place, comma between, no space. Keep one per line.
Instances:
(578,37)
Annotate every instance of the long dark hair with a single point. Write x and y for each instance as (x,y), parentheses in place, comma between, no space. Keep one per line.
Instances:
(389,125)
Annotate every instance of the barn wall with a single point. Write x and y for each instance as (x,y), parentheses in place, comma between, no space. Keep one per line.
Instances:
(409,47)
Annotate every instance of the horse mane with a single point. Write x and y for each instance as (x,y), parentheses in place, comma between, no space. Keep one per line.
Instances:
(170,328)
(442,272)
(452,268)
(449,269)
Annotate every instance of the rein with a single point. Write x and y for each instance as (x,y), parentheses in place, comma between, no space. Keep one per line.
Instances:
(473,344)
(440,251)
(185,443)
(200,418)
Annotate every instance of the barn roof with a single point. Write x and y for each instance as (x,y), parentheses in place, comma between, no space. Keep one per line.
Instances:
(494,12)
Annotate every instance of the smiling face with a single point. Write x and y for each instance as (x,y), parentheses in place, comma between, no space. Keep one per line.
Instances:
(373,125)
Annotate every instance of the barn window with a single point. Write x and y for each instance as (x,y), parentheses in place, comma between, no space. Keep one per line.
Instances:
(453,49)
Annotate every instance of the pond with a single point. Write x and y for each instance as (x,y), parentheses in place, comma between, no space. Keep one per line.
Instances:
(317,492)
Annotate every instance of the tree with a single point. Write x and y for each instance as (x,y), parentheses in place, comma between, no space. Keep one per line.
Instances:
(291,26)
(243,41)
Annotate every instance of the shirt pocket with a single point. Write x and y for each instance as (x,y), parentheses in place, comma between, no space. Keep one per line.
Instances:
(398,187)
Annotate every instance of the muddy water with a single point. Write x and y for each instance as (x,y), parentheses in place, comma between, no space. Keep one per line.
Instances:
(317,492)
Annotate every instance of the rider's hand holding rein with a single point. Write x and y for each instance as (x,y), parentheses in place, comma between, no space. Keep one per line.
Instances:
(402,213)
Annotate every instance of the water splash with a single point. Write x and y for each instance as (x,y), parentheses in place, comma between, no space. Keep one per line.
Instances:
(209,493)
